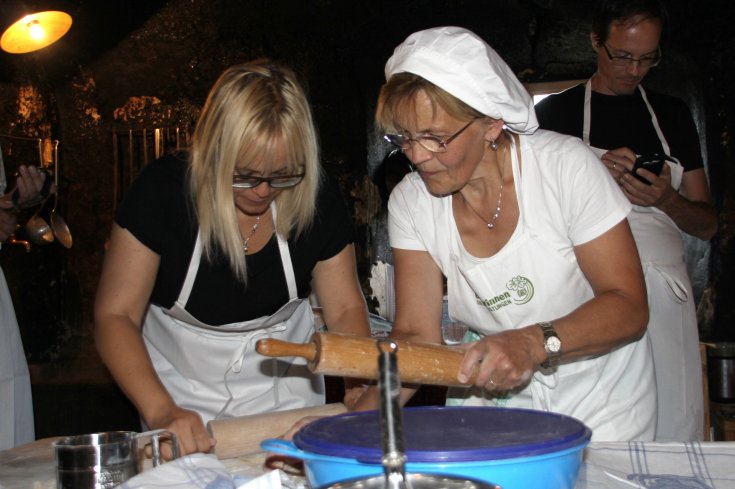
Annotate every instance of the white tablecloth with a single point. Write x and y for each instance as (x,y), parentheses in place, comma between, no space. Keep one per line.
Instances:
(606,466)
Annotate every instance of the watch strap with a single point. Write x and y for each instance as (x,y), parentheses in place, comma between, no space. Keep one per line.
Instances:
(552,345)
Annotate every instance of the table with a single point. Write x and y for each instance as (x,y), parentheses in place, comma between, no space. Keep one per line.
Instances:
(705,465)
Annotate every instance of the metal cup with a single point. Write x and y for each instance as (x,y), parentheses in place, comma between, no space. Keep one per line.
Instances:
(104,460)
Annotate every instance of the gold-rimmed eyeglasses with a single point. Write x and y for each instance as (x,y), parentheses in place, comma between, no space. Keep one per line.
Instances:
(626,60)
(280,181)
(427,141)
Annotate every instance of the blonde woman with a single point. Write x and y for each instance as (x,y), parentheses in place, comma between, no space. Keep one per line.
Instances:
(216,248)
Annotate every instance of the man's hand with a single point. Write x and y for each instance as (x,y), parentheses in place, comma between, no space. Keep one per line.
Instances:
(690,207)
(619,162)
(657,194)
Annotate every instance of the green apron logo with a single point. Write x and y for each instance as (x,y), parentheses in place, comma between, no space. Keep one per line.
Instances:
(523,289)
(521,292)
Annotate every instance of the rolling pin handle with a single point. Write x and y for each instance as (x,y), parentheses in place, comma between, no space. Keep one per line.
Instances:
(270,347)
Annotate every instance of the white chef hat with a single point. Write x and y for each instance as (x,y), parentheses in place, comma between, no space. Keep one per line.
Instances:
(462,64)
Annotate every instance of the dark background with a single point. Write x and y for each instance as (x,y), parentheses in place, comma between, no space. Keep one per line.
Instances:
(129,67)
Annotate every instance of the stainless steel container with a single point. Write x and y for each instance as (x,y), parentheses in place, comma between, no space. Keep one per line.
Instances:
(104,460)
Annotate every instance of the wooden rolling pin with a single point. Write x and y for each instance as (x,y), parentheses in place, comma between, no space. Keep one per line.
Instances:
(242,435)
(357,356)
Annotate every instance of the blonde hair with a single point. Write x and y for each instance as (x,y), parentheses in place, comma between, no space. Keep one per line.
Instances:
(252,110)
(398,97)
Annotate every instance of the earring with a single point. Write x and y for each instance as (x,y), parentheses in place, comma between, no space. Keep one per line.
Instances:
(494,145)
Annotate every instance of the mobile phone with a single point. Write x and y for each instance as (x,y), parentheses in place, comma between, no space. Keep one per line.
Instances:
(653,163)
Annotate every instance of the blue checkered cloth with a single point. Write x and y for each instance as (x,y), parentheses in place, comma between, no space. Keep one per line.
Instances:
(650,465)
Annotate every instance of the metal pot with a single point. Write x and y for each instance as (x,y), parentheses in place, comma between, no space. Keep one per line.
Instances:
(721,372)
(391,430)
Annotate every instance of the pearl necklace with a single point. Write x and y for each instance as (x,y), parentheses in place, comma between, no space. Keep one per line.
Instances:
(491,223)
(252,231)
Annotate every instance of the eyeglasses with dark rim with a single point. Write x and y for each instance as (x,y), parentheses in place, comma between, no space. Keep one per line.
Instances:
(281,181)
(627,60)
(428,141)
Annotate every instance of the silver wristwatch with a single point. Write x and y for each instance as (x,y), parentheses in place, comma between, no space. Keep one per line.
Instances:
(552,345)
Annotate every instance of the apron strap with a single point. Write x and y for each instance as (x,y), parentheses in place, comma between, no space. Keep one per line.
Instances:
(191,273)
(285,259)
(654,120)
(587,112)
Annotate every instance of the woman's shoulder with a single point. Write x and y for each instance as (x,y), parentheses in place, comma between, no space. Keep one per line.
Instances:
(411,186)
(553,148)
(331,206)
(329,191)
(159,189)
(562,162)
(171,168)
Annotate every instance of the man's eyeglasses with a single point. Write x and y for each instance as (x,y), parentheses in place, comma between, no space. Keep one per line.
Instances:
(627,60)
(281,181)
(428,142)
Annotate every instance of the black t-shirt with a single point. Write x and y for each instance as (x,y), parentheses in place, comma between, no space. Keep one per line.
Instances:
(624,120)
(157,210)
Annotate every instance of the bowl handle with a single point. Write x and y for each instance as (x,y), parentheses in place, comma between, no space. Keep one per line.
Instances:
(277,445)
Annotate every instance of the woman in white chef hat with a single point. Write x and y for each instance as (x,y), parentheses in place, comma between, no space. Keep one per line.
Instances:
(529,231)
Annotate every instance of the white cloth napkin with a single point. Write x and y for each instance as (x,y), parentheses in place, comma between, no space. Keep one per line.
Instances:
(651,465)
(199,471)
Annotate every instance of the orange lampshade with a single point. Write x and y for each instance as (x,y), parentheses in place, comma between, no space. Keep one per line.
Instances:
(35,31)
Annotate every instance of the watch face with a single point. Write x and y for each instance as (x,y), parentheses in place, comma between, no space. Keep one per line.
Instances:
(553,344)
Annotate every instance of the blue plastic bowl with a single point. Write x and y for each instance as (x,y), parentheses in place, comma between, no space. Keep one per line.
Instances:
(514,448)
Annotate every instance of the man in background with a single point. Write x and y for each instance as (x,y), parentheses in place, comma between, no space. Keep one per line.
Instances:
(621,120)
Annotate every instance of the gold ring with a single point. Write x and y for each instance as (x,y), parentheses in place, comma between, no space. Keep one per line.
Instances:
(614,165)
(490,381)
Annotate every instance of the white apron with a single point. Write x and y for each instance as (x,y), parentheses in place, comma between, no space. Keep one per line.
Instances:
(526,282)
(215,371)
(16,406)
(672,324)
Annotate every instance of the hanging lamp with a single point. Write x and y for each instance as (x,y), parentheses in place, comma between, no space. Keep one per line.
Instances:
(35,31)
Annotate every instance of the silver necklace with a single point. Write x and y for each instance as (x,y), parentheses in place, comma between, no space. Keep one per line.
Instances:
(491,223)
(252,231)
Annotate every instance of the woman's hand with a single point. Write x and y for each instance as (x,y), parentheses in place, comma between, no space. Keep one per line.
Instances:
(188,427)
(506,360)
(353,396)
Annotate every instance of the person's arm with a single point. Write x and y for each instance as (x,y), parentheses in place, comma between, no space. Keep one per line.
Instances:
(419,291)
(691,208)
(125,287)
(337,288)
(617,315)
